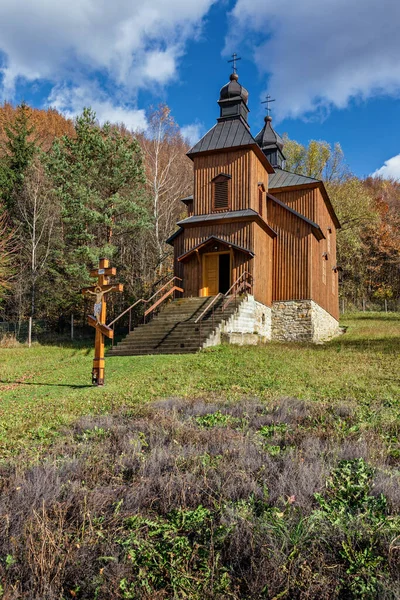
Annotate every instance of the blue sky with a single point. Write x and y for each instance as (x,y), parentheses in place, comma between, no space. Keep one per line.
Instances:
(332,65)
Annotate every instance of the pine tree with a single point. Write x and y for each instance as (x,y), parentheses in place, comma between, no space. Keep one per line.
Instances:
(20,147)
(98,175)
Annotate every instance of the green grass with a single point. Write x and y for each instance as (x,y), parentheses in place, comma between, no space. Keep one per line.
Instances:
(48,386)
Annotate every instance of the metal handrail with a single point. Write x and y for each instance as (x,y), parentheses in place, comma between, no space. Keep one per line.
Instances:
(143,300)
(208,307)
(228,299)
(237,281)
(160,300)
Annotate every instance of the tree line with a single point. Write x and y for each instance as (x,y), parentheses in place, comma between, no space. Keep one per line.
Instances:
(74,191)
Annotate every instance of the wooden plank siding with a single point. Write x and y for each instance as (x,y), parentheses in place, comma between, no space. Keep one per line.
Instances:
(239,233)
(245,169)
(311,204)
(291,269)
(262,267)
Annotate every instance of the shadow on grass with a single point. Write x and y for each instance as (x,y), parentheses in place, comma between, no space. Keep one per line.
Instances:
(373,316)
(73,386)
(387,345)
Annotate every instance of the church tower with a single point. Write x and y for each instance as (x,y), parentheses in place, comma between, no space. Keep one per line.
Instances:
(226,236)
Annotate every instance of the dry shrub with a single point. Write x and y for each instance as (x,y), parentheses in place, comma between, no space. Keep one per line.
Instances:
(8,340)
(255,468)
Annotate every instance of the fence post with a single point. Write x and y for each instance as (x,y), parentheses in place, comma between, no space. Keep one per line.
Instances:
(363,304)
(386,308)
(72,327)
(30,332)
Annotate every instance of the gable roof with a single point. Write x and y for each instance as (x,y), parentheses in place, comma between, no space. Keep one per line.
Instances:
(214,238)
(225,134)
(247,214)
(282,179)
(228,134)
(316,229)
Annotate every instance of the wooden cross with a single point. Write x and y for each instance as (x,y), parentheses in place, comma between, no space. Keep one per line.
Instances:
(268,101)
(98,321)
(234,60)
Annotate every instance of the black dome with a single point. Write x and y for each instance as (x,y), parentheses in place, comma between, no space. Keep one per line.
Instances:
(233,89)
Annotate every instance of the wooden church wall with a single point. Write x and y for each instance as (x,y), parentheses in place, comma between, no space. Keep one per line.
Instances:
(206,167)
(239,233)
(291,267)
(262,265)
(304,201)
(324,281)
(246,171)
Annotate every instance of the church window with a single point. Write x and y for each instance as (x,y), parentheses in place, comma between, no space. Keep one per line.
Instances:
(260,201)
(221,192)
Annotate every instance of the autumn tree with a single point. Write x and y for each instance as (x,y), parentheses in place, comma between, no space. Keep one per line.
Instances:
(319,160)
(168,177)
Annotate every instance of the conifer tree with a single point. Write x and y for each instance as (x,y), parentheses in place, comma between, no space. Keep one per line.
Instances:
(20,147)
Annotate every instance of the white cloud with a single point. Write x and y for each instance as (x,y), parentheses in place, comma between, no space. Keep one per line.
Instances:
(192,133)
(390,170)
(123,44)
(71,101)
(320,53)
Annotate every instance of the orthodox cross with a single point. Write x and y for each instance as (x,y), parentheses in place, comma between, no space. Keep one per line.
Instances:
(235,58)
(268,101)
(98,320)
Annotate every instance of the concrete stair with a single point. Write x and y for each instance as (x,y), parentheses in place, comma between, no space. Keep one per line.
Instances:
(174,331)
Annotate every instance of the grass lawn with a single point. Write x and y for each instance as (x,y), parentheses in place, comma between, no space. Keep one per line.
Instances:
(48,386)
(257,472)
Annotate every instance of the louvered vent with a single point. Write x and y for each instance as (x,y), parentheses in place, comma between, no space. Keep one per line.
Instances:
(221,194)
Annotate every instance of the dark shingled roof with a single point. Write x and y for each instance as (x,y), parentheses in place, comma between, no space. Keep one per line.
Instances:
(282,178)
(248,212)
(225,134)
(268,138)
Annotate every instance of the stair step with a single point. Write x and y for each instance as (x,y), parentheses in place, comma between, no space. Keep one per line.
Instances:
(173,330)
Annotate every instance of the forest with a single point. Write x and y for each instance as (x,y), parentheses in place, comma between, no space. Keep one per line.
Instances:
(74,191)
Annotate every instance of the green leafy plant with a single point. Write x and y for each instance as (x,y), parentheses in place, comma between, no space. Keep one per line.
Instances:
(216,419)
(178,554)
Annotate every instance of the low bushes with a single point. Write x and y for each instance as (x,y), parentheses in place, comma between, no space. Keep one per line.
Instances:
(196,500)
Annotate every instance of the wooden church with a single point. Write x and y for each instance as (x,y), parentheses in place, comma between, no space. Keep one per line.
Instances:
(255,231)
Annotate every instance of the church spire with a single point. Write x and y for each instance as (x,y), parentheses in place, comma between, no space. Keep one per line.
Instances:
(271,143)
(233,97)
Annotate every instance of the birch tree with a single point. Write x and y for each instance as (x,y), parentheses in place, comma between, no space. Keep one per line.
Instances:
(37,215)
(168,177)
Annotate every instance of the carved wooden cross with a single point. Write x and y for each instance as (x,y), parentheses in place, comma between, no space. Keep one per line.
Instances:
(98,321)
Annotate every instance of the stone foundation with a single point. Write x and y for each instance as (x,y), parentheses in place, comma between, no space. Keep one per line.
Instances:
(251,324)
(302,321)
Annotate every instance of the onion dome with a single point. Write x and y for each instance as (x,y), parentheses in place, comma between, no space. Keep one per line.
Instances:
(233,90)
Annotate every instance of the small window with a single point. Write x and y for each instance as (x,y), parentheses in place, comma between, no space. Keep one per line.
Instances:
(221,192)
(260,201)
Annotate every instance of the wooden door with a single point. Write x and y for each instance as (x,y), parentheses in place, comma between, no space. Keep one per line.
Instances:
(210,275)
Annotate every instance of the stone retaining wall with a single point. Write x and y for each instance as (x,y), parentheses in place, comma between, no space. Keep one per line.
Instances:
(302,321)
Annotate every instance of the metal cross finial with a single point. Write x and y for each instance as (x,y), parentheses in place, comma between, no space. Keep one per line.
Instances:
(235,58)
(268,101)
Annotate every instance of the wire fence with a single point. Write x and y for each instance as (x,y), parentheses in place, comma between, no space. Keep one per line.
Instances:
(73,327)
(364,305)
